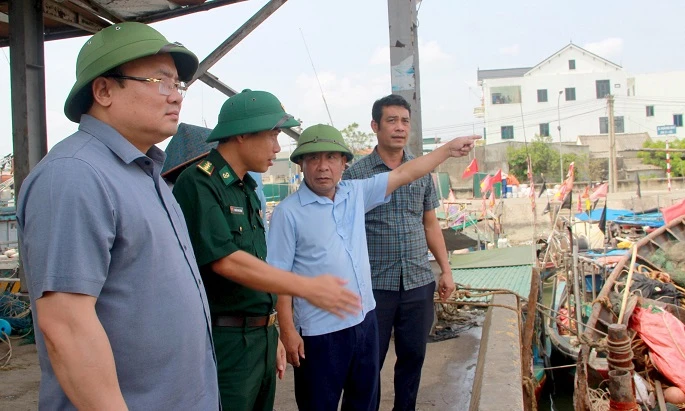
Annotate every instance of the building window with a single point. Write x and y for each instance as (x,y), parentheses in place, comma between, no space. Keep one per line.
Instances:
(542,96)
(507,132)
(650,111)
(678,120)
(544,129)
(603,88)
(571,64)
(619,125)
(506,95)
(570,94)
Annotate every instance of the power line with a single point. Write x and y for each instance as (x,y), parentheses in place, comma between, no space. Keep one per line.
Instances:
(529,115)
(317,78)
(519,127)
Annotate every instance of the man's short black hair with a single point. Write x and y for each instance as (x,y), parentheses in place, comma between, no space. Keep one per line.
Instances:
(391,100)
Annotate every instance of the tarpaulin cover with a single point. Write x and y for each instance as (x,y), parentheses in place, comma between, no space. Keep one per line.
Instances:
(596,214)
(664,334)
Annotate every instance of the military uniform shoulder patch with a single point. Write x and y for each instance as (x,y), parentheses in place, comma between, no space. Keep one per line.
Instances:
(206,167)
(226,175)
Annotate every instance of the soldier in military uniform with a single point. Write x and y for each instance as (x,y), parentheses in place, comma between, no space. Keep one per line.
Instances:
(223,215)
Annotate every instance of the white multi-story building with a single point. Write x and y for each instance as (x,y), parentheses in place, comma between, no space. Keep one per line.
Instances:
(569,89)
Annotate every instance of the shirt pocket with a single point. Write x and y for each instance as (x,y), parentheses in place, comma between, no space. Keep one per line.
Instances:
(237,224)
(417,192)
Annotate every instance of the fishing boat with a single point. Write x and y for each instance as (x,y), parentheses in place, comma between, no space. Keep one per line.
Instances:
(649,262)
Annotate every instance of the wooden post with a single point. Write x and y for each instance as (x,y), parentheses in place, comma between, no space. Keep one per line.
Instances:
(620,352)
(621,391)
(527,346)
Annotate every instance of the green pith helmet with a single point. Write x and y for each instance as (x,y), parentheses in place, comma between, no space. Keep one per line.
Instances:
(114,46)
(250,112)
(320,138)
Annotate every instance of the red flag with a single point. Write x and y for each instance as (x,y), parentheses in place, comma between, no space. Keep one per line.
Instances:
(561,194)
(580,207)
(486,185)
(670,213)
(600,192)
(571,173)
(471,169)
(497,178)
(586,192)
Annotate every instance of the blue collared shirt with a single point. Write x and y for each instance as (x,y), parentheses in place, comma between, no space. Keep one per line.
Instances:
(312,235)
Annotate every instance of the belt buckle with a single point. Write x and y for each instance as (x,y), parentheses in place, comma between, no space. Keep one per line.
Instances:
(272,320)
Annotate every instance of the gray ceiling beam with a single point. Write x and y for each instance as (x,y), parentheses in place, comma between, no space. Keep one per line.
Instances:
(98,10)
(182,11)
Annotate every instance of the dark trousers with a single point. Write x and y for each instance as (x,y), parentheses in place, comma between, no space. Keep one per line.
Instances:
(410,313)
(246,366)
(342,362)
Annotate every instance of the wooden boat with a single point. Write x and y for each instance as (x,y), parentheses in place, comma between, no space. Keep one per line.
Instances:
(647,258)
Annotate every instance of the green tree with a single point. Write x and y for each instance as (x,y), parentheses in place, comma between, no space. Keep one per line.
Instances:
(355,139)
(658,158)
(545,158)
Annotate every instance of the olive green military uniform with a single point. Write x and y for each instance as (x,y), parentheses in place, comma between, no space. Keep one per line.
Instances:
(223,216)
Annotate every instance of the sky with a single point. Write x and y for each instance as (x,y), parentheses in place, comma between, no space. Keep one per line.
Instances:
(348,44)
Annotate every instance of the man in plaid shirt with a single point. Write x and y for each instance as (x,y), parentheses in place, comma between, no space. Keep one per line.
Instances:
(399,235)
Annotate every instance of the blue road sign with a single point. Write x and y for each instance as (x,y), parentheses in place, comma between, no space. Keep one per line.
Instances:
(665,130)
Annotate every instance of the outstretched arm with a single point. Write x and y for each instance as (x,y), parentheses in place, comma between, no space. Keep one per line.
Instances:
(324,291)
(418,167)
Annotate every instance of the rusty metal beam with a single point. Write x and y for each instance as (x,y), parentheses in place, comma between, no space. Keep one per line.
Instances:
(61,13)
(252,23)
(27,76)
(182,11)
(99,10)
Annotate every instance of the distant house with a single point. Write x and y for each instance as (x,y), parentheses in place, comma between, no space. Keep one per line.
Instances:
(628,163)
(569,89)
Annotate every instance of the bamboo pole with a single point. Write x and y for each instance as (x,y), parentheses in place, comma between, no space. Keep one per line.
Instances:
(626,290)
(528,333)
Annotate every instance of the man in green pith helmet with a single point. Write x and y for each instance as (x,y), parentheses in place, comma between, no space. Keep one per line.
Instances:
(223,215)
(120,313)
(321,227)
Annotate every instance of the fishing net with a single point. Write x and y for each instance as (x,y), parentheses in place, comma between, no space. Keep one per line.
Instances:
(17,313)
(672,260)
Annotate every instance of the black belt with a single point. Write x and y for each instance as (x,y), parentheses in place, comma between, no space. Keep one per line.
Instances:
(236,321)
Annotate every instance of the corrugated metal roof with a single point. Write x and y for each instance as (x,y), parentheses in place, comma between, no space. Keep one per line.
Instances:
(498,257)
(502,268)
(502,73)
(513,278)
(72,18)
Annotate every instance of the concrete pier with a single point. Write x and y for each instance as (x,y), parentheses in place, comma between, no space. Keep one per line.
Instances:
(497,383)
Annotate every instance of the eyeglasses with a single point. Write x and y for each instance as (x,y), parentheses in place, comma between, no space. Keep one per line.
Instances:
(166,85)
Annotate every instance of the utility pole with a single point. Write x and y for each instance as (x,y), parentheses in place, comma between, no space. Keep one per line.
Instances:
(613,174)
(404,64)
(561,158)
